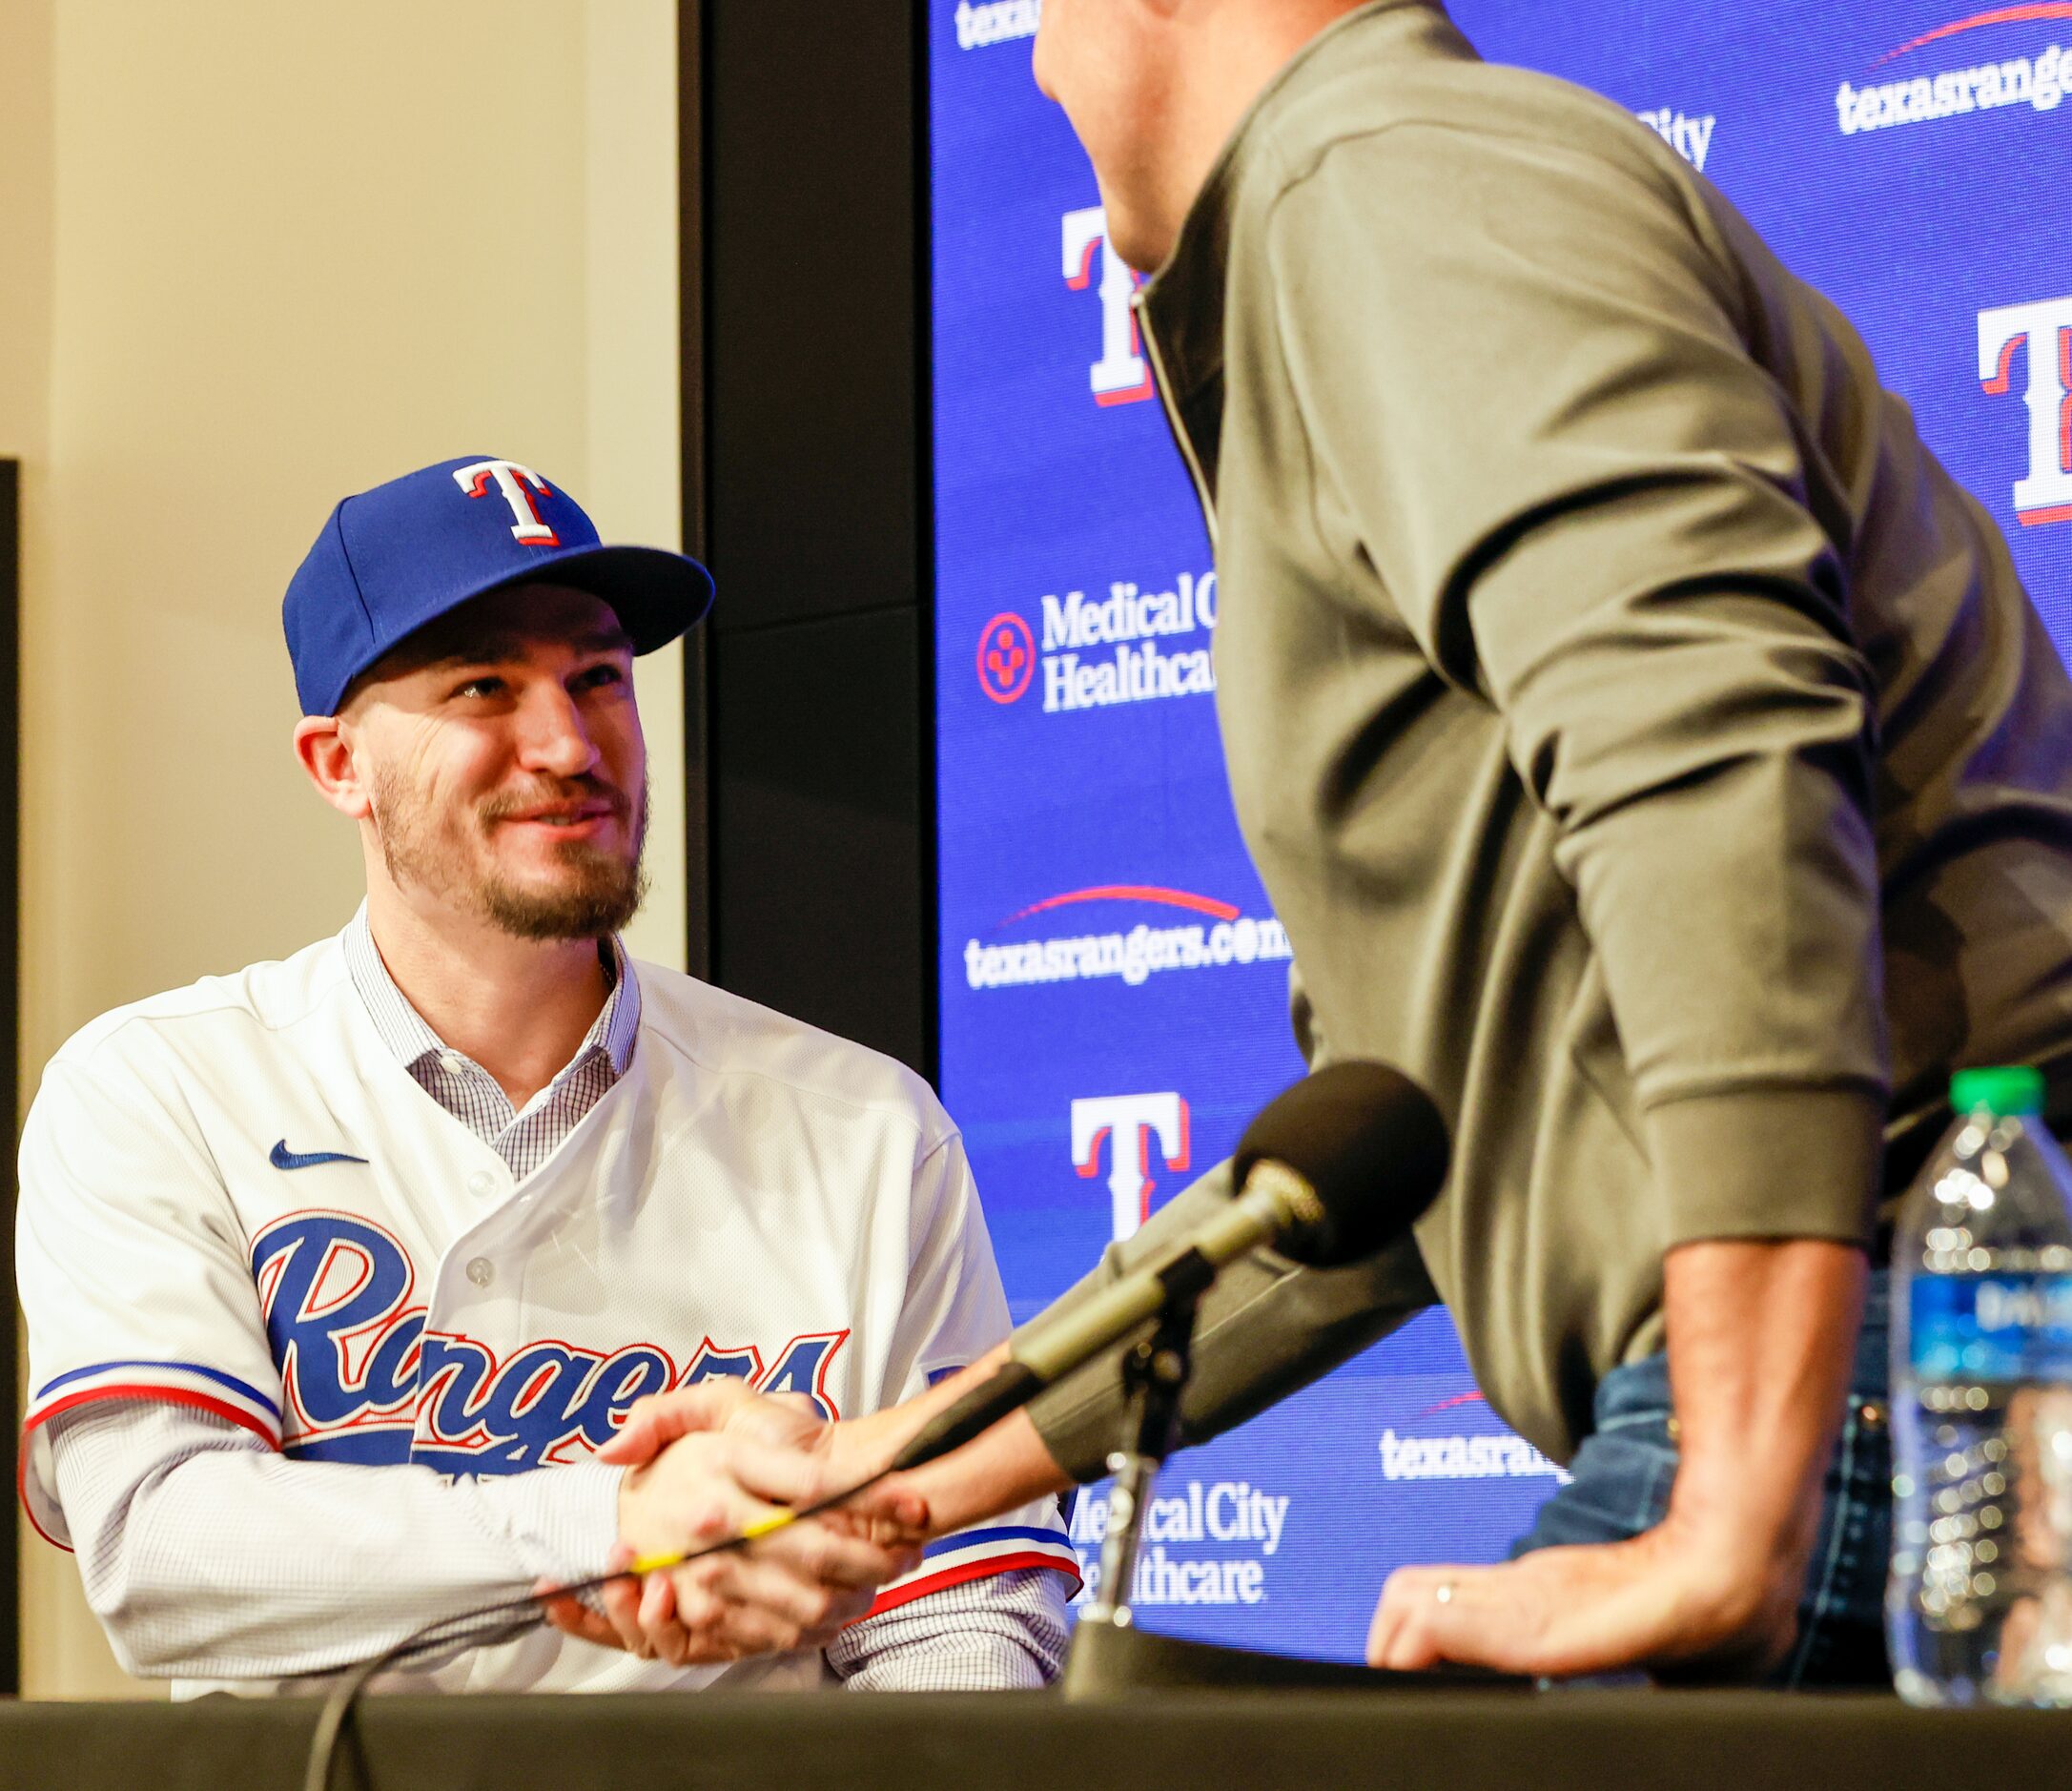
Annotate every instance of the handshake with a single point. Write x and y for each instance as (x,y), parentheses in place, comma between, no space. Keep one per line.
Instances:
(709,1462)
(1330,1171)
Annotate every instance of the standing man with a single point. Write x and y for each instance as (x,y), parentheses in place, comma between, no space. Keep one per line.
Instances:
(1648,748)
(322,1261)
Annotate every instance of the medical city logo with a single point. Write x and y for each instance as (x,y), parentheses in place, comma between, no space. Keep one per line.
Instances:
(1006,657)
(1205,1543)
(2041,334)
(1689,134)
(1129,622)
(2039,81)
(1130,1126)
(1223,936)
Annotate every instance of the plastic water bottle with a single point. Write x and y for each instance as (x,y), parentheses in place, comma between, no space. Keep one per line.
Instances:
(1978,1608)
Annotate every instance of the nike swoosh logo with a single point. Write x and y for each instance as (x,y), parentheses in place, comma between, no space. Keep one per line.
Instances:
(282,1158)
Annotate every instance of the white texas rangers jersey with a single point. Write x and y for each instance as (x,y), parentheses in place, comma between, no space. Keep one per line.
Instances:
(235,1198)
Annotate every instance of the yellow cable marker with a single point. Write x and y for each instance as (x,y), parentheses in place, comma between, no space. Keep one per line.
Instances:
(761,1527)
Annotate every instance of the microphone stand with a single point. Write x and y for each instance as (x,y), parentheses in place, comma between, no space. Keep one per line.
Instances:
(1153,1376)
(1110,1656)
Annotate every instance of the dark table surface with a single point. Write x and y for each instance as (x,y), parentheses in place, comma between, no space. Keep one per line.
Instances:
(1305,1741)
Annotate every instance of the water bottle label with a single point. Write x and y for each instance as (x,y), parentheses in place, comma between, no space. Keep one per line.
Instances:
(1991,1328)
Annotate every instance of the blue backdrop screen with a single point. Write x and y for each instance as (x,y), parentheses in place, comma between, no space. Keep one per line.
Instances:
(1112,980)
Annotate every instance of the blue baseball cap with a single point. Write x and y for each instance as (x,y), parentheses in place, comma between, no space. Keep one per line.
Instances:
(395,558)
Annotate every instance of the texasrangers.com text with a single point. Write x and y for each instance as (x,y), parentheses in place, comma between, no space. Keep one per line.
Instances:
(1132,955)
(2042,84)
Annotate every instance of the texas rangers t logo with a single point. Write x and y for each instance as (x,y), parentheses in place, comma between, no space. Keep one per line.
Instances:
(511,480)
(1130,1123)
(2045,329)
(1120,376)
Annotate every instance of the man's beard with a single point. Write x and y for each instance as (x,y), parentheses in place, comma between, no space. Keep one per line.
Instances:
(433,852)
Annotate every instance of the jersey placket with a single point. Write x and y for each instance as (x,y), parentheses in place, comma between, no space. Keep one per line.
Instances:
(523,1139)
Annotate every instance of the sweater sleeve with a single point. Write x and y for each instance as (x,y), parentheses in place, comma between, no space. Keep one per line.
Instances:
(1528,394)
(1267,1329)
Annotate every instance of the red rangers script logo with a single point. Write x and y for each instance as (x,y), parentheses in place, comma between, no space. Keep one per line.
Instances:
(1006,657)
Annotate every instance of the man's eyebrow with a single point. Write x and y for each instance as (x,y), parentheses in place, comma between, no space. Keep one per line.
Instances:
(492,648)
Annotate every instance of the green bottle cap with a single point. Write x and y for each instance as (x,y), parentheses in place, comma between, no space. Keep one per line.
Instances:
(2011,1093)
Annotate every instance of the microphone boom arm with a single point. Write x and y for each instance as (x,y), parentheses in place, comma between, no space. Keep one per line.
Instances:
(1072,1339)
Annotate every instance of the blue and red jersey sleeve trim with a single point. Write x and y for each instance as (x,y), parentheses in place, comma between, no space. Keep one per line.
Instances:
(190,1383)
(978,1554)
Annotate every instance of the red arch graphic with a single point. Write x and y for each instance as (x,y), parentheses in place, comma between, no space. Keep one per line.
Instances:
(1458,1399)
(1131,892)
(2025,14)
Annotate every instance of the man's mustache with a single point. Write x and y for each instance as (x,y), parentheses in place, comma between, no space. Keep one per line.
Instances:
(577,790)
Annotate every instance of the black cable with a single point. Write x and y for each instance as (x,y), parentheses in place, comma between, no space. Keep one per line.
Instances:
(504,1621)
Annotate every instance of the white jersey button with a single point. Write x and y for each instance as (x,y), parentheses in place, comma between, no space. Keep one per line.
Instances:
(452,1063)
(482,1272)
(481,1182)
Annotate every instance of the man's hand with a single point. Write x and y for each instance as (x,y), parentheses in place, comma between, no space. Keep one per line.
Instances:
(1761,1341)
(713,1460)
(1006,1468)
(1670,1598)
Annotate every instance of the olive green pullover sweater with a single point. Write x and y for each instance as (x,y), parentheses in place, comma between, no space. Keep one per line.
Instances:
(1649,746)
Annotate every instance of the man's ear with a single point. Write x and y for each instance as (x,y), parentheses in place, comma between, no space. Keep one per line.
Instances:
(326,756)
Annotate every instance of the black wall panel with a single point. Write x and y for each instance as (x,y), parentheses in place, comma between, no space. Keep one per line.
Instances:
(811,701)
(819,786)
(812,316)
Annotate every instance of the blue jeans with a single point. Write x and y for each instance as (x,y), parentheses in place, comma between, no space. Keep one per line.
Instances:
(1621,1486)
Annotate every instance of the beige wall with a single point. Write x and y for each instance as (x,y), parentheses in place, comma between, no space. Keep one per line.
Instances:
(258,256)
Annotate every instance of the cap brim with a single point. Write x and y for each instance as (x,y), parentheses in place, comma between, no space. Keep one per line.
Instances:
(656,594)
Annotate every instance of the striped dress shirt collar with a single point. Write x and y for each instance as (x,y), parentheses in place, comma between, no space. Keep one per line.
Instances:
(467,1091)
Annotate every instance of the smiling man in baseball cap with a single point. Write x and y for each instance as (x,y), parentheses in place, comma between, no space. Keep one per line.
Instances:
(448,568)
(322,1258)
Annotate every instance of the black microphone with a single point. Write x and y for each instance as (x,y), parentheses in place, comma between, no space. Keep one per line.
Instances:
(1328,1172)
